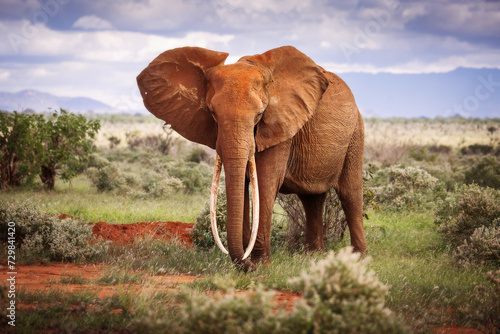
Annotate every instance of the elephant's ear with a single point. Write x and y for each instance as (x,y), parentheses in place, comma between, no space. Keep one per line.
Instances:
(173,88)
(296,87)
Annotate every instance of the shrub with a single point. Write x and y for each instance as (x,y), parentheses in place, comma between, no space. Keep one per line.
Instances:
(162,143)
(475,149)
(199,154)
(95,160)
(334,221)
(71,240)
(340,296)
(483,247)
(202,232)
(483,306)
(196,177)
(106,178)
(156,184)
(486,173)
(408,187)
(41,236)
(469,208)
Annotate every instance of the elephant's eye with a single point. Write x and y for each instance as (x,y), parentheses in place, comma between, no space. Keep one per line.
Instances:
(259,117)
(213,116)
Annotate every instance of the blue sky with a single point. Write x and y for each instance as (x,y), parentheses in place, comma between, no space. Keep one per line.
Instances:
(97,48)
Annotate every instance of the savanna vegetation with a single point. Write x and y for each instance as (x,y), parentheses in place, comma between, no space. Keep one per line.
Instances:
(432,219)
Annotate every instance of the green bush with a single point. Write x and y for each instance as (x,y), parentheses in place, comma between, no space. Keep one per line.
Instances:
(156,184)
(483,306)
(43,237)
(471,207)
(483,247)
(334,221)
(152,182)
(202,232)
(486,173)
(340,296)
(475,149)
(199,154)
(408,187)
(72,240)
(107,178)
(196,177)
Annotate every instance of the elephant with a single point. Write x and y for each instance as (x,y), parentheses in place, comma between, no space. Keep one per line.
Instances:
(278,122)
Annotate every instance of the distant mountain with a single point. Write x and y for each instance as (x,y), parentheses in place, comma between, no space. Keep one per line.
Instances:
(40,102)
(465,92)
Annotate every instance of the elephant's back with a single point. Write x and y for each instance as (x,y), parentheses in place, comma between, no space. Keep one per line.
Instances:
(319,148)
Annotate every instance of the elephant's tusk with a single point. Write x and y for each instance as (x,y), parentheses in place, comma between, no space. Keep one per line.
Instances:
(255,206)
(213,203)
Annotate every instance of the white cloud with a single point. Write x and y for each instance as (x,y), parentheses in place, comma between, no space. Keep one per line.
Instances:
(4,75)
(106,46)
(92,22)
(442,65)
(277,6)
(325,44)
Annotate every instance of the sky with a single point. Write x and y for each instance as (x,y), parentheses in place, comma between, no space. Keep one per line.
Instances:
(96,48)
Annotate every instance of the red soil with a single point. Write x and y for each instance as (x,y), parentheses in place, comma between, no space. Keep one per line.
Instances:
(122,234)
(47,277)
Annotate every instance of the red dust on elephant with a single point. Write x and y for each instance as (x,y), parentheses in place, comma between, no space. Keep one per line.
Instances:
(278,122)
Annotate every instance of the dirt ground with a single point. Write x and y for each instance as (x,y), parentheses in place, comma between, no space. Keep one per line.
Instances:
(56,276)
(52,276)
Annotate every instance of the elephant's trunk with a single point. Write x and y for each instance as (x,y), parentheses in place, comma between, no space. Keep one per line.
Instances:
(235,169)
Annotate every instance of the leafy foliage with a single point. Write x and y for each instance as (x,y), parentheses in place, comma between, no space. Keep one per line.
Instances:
(482,247)
(19,148)
(65,145)
(37,145)
(161,179)
(471,207)
(486,173)
(340,296)
(334,221)
(408,187)
(202,232)
(483,304)
(41,236)
(195,177)
(161,143)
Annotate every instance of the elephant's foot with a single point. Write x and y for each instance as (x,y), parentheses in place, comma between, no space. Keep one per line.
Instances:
(315,246)
(246,265)
(363,251)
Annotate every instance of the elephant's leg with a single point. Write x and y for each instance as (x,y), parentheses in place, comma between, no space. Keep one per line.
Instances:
(314,207)
(271,169)
(350,190)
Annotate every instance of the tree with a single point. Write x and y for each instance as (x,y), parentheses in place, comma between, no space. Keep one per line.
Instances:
(32,145)
(66,143)
(18,148)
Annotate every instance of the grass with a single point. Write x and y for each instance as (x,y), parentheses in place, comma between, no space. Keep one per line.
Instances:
(82,201)
(426,285)
(408,254)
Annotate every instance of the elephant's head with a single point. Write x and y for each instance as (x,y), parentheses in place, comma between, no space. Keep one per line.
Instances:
(237,109)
